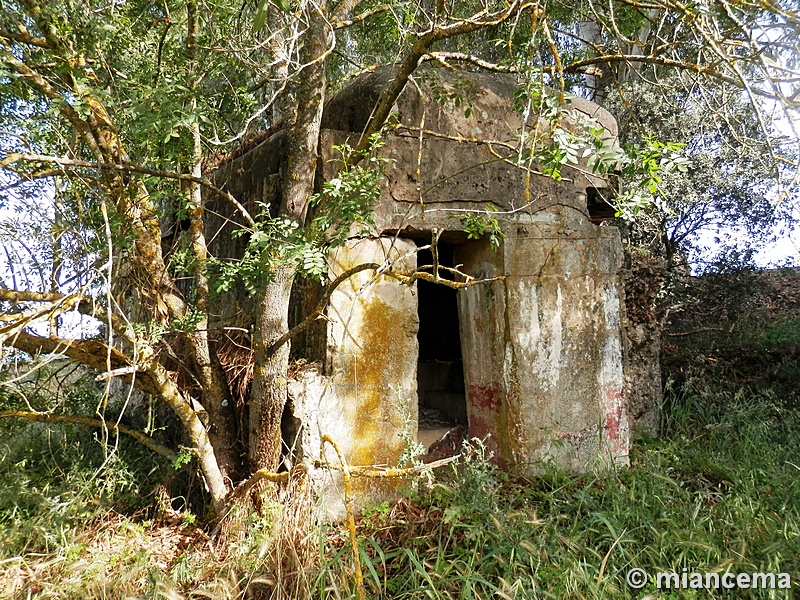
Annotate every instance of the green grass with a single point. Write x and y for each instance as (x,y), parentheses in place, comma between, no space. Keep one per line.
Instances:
(719,492)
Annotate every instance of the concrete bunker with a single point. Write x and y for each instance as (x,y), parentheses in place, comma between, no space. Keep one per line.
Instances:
(540,344)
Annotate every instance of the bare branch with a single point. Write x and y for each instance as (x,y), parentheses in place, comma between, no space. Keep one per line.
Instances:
(342,21)
(92,353)
(140,437)
(64,302)
(578,65)
(694,331)
(445,57)
(381,269)
(369,471)
(129,168)
(379,472)
(420,49)
(321,305)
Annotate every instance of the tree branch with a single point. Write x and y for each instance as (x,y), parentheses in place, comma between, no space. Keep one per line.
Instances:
(24,37)
(43,86)
(577,66)
(140,437)
(85,305)
(129,168)
(47,28)
(443,57)
(369,471)
(407,66)
(91,353)
(381,269)
(341,21)
(694,331)
(321,305)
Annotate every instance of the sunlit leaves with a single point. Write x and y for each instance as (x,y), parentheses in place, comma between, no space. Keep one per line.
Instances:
(643,167)
(483,225)
(262,11)
(344,205)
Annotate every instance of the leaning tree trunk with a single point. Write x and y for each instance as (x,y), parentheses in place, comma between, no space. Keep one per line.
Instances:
(268,395)
(217,399)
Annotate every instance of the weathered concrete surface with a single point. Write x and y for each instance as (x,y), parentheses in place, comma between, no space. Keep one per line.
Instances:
(543,348)
(455,164)
(367,403)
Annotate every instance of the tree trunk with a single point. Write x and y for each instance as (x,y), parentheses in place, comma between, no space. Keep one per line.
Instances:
(268,394)
(198,436)
(217,399)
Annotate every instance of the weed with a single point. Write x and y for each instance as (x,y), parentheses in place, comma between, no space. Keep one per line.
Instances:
(717,492)
(692,500)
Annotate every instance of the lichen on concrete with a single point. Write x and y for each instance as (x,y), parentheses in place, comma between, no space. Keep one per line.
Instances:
(543,343)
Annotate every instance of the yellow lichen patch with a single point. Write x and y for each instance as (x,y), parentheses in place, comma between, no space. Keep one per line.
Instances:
(380,359)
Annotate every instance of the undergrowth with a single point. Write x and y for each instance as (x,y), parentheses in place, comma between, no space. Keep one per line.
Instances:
(721,492)
(718,491)
(56,478)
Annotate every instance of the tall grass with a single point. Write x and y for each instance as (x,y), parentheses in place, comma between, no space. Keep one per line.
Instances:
(719,492)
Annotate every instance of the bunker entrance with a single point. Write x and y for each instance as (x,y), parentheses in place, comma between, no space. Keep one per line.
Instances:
(440,370)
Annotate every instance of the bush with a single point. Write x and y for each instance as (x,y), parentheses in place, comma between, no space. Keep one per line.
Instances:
(56,477)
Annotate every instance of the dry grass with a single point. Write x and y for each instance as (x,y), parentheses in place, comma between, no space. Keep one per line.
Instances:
(113,557)
(236,355)
(278,552)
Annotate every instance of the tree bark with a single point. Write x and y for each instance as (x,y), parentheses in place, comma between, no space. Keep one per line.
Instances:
(195,430)
(268,395)
(217,399)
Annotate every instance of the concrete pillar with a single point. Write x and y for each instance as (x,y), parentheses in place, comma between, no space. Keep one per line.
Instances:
(367,403)
(543,348)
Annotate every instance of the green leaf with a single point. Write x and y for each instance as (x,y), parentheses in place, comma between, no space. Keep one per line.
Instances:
(184,458)
(261,15)
(260,18)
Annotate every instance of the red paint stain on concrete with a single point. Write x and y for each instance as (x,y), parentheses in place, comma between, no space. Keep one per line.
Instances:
(479,428)
(484,397)
(614,421)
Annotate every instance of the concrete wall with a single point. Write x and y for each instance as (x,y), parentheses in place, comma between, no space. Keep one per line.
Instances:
(367,401)
(543,348)
(542,351)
